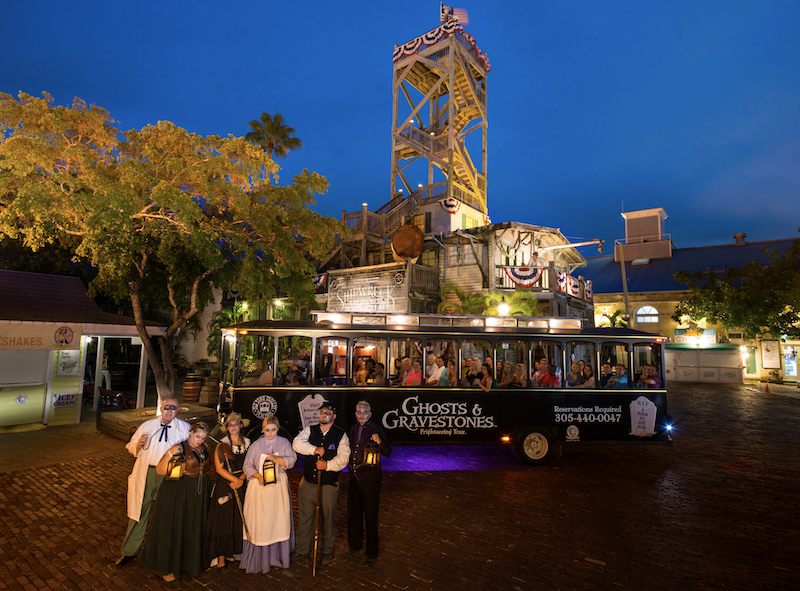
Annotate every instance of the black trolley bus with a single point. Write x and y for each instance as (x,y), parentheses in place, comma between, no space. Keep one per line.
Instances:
(287,368)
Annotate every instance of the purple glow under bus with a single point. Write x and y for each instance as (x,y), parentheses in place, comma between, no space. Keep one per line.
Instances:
(287,368)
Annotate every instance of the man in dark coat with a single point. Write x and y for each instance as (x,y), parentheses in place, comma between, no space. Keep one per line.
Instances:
(363,494)
(326,449)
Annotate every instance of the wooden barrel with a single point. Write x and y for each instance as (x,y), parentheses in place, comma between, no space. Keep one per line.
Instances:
(209,393)
(191,391)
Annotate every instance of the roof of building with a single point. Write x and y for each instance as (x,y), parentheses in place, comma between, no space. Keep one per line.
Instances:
(38,297)
(657,274)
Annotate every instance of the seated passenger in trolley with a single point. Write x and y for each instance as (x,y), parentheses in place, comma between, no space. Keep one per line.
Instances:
(656,379)
(379,377)
(575,378)
(607,374)
(486,381)
(414,377)
(546,376)
(619,379)
(435,378)
(588,377)
(648,377)
(471,373)
(450,377)
(519,380)
(361,373)
(505,377)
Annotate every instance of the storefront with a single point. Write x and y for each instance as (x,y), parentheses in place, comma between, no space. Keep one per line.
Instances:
(52,340)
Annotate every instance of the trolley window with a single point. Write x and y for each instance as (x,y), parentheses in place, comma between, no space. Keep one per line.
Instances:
(402,355)
(474,353)
(583,354)
(368,352)
(509,354)
(616,356)
(256,358)
(331,360)
(546,364)
(648,363)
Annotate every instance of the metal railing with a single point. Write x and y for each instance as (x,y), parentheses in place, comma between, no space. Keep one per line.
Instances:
(546,282)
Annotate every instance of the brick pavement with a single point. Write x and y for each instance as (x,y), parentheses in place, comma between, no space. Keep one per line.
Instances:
(717,510)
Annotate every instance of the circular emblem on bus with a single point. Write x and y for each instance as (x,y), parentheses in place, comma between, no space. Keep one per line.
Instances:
(265,405)
(399,278)
(334,283)
(572,433)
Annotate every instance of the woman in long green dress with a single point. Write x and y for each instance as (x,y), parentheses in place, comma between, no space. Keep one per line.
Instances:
(175,538)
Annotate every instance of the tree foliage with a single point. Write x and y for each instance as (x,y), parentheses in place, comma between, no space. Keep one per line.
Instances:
(472,303)
(520,303)
(219,320)
(157,210)
(613,320)
(759,298)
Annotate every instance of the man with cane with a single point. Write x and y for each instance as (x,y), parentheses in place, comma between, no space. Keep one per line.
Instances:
(326,448)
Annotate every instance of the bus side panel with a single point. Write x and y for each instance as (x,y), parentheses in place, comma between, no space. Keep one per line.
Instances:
(413,415)
(588,415)
(442,415)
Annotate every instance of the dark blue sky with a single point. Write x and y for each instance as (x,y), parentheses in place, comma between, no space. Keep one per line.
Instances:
(691,106)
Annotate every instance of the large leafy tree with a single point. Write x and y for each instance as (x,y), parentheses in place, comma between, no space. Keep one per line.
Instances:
(759,298)
(157,211)
(273,136)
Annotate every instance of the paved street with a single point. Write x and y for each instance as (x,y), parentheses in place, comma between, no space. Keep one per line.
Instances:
(716,510)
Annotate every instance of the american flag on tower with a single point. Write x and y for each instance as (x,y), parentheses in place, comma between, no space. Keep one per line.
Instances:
(448,13)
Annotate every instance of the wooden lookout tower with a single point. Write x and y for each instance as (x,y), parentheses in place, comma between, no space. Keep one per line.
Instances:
(439,105)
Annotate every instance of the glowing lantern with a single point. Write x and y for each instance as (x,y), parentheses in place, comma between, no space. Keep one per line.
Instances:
(372,454)
(268,472)
(176,465)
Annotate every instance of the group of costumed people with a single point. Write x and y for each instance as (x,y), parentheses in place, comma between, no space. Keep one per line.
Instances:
(194,527)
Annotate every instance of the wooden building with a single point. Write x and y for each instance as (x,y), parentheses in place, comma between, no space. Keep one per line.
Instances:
(439,185)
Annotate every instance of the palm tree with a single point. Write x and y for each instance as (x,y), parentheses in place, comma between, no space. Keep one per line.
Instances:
(273,136)
(613,320)
(472,303)
(221,319)
(520,303)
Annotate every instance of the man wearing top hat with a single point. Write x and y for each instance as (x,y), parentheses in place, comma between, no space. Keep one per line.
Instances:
(326,448)
(149,444)
(364,490)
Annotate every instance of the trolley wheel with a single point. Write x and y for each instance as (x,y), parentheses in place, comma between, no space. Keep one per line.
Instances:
(536,446)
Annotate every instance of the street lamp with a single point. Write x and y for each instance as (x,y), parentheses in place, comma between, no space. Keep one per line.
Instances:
(502,307)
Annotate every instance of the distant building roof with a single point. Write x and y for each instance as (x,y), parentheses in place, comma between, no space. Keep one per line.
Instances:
(657,274)
(38,297)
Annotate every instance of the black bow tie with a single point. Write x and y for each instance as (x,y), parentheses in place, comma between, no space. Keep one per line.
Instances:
(164,433)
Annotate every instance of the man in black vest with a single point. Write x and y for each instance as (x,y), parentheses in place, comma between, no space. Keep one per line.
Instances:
(363,494)
(326,449)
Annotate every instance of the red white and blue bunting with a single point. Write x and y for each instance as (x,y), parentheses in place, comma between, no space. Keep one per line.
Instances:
(587,290)
(524,276)
(450,204)
(433,37)
(561,281)
(319,281)
(573,286)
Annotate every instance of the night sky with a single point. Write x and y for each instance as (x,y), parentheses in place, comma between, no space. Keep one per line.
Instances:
(595,107)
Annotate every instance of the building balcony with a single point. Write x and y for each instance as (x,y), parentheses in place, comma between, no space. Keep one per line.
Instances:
(543,280)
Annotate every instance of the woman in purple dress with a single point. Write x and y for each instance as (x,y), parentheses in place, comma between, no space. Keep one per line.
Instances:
(268,507)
